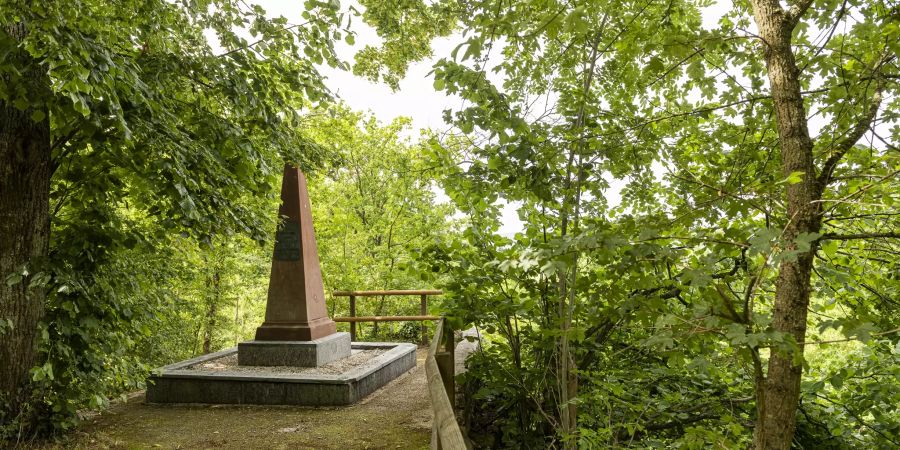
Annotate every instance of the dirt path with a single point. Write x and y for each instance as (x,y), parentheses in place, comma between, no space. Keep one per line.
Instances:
(397,416)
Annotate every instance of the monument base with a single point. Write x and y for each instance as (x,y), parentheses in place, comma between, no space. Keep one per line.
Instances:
(305,331)
(177,384)
(294,353)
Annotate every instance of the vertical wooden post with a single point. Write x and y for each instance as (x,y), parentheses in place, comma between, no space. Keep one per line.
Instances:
(423,309)
(446,365)
(449,338)
(352,314)
(444,362)
(451,350)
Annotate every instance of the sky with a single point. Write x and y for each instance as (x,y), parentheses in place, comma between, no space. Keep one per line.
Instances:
(416,97)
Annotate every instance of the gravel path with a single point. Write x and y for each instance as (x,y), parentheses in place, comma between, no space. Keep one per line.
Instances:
(397,416)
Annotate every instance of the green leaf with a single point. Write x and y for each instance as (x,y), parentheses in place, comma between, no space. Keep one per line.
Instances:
(804,240)
(837,380)
(830,248)
(13,279)
(655,64)
(793,178)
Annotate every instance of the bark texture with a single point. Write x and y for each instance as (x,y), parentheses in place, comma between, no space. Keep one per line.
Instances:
(25,172)
(780,393)
(213,297)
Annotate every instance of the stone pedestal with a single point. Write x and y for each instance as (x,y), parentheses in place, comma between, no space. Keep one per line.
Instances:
(312,353)
(178,383)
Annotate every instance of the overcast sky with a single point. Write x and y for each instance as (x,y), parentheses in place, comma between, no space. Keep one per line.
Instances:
(416,97)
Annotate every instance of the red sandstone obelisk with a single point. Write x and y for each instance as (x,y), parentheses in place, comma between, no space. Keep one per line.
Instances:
(295,309)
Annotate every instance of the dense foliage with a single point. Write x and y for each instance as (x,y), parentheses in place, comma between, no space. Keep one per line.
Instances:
(710,210)
(676,316)
(154,139)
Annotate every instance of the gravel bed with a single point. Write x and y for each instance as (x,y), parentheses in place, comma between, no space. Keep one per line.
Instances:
(357,358)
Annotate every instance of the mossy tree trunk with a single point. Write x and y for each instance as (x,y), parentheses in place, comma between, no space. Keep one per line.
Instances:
(25,170)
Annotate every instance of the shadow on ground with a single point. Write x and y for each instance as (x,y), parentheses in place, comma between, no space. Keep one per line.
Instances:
(397,416)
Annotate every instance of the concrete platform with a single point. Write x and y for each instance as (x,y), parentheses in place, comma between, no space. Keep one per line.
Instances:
(176,383)
(295,353)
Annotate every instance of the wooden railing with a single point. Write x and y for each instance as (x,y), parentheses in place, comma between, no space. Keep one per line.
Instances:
(440,368)
(423,309)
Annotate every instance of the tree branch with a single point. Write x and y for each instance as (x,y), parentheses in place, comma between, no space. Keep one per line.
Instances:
(796,11)
(260,40)
(852,137)
(833,341)
(848,237)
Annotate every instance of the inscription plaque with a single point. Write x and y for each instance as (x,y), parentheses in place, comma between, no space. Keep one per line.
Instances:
(287,242)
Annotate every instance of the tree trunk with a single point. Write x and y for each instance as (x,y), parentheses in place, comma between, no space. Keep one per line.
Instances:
(378,312)
(238,323)
(781,390)
(25,172)
(213,296)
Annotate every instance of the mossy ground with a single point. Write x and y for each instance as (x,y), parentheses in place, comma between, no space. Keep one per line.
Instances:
(397,416)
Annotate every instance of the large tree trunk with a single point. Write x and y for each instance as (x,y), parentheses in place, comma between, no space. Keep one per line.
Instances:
(24,230)
(781,390)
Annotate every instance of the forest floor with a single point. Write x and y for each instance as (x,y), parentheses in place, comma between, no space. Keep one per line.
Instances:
(397,416)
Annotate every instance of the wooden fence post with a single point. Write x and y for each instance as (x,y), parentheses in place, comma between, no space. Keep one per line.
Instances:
(352,314)
(449,339)
(450,342)
(439,370)
(446,364)
(445,367)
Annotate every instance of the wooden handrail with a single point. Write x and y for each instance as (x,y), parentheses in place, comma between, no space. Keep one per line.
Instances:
(386,318)
(388,292)
(423,308)
(439,370)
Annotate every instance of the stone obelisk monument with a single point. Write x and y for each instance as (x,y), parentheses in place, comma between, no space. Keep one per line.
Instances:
(297,330)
